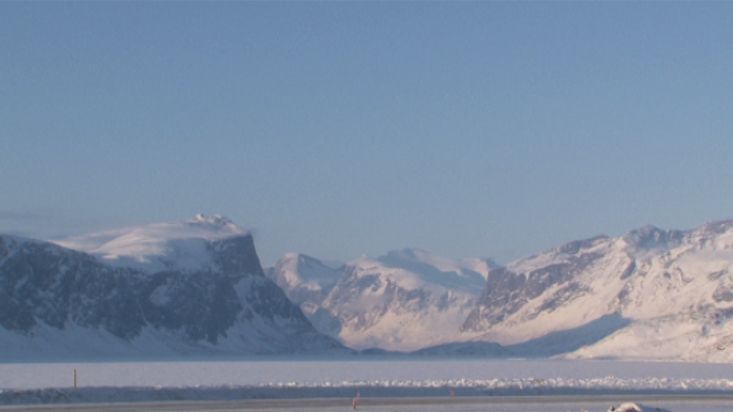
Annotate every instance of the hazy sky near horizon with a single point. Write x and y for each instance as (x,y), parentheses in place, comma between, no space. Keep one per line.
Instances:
(340,129)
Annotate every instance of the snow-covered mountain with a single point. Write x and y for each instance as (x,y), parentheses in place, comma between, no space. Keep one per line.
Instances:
(58,302)
(673,288)
(307,281)
(158,246)
(405,300)
(197,287)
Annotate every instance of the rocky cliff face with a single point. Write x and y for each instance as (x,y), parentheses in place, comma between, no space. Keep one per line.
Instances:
(510,289)
(41,283)
(674,288)
(226,305)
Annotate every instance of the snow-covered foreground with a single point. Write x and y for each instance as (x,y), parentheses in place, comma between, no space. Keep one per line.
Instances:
(159,381)
(384,373)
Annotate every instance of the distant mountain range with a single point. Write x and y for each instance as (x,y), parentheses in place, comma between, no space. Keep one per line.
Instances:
(649,294)
(197,288)
(404,301)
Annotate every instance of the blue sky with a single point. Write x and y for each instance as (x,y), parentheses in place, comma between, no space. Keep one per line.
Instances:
(341,129)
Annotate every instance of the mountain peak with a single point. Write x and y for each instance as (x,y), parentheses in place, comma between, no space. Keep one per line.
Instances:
(716,227)
(211,220)
(651,237)
(301,276)
(578,245)
(157,246)
(420,260)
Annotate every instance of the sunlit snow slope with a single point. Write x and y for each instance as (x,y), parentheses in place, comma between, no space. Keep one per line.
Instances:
(157,246)
(675,288)
(405,300)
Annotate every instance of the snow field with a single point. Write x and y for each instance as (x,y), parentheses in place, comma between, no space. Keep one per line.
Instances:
(486,374)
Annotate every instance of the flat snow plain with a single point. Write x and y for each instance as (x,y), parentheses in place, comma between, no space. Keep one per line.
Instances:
(428,373)
(584,384)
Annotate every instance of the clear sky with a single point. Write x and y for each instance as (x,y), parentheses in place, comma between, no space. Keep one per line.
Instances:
(341,129)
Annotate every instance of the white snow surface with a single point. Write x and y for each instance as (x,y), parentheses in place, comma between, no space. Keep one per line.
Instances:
(299,271)
(157,246)
(466,275)
(404,300)
(616,383)
(496,374)
(675,287)
(626,407)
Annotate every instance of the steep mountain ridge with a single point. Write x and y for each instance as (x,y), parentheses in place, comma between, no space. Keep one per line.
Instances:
(675,288)
(158,246)
(650,294)
(50,296)
(403,301)
(306,278)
